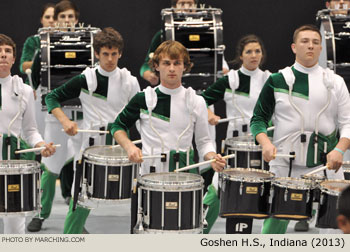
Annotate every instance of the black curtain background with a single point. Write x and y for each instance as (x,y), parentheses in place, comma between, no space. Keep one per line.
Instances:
(138,20)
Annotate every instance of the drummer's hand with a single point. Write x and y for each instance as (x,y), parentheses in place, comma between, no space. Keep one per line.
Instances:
(212,118)
(49,149)
(70,127)
(334,160)
(151,77)
(219,164)
(268,152)
(134,154)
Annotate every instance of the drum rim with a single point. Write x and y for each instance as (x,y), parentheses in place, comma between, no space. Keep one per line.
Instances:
(239,143)
(308,182)
(330,191)
(231,178)
(110,160)
(196,183)
(14,167)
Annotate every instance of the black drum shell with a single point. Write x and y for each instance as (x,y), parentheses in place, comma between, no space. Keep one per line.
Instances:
(347,174)
(246,157)
(14,197)
(247,205)
(291,208)
(327,211)
(171,213)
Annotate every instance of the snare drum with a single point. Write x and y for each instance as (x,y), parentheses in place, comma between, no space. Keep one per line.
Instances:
(201,32)
(108,174)
(335,31)
(245,193)
(171,203)
(63,56)
(247,153)
(291,198)
(327,212)
(315,180)
(19,187)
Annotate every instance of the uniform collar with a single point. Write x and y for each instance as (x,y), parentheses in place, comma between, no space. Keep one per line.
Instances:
(248,72)
(169,91)
(306,70)
(105,73)
(6,79)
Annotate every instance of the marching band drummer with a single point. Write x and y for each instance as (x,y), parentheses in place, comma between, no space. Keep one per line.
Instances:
(310,104)
(103,92)
(169,115)
(66,14)
(338,7)
(14,95)
(240,90)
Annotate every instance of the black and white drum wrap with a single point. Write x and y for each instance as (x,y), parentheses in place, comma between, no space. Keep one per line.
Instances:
(64,54)
(201,32)
(346,169)
(248,154)
(292,198)
(171,203)
(245,193)
(335,31)
(327,212)
(315,180)
(19,187)
(107,174)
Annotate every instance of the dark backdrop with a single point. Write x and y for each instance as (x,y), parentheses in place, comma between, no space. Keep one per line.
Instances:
(137,20)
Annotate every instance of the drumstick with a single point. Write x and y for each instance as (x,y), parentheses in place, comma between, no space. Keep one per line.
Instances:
(317,170)
(229,119)
(134,142)
(29,74)
(34,149)
(91,131)
(154,156)
(284,155)
(189,167)
(346,163)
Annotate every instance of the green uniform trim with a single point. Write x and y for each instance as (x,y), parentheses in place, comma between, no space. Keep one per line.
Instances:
(30,46)
(212,201)
(274,226)
(156,41)
(182,161)
(48,185)
(216,91)
(244,84)
(241,93)
(13,143)
(94,94)
(75,220)
(144,111)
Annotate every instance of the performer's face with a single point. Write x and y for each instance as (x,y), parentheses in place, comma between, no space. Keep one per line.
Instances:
(307,48)
(47,19)
(186,5)
(251,56)
(67,18)
(170,71)
(108,58)
(7,59)
(339,5)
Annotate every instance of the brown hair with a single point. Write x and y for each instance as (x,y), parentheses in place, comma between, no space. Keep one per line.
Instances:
(175,50)
(109,38)
(308,27)
(45,7)
(174,2)
(6,40)
(66,5)
(243,41)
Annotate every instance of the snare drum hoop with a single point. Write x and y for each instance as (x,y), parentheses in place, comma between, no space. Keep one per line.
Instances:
(17,167)
(106,160)
(242,143)
(198,230)
(277,182)
(23,214)
(330,191)
(196,182)
(226,176)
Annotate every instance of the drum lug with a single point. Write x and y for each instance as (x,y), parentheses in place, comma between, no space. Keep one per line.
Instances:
(262,189)
(272,191)
(321,199)
(223,186)
(286,194)
(140,219)
(308,196)
(241,188)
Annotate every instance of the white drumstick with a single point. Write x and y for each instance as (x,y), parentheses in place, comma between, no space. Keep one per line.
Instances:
(317,170)
(91,131)
(229,119)
(284,155)
(154,156)
(29,74)
(134,142)
(35,149)
(346,163)
(189,167)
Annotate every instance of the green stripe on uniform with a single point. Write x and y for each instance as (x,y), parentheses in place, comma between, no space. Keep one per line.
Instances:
(282,90)
(161,117)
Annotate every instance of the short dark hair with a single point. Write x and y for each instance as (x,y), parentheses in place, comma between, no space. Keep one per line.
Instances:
(45,7)
(344,203)
(307,27)
(174,50)
(243,41)
(174,2)
(109,38)
(6,40)
(66,5)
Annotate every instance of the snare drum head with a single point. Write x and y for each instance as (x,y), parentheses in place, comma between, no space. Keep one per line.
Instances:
(244,143)
(171,180)
(292,183)
(334,186)
(247,174)
(314,177)
(18,166)
(106,154)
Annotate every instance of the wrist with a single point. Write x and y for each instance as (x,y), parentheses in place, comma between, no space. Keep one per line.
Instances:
(339,150)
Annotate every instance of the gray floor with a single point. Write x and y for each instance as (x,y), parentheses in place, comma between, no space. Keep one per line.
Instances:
(115,219)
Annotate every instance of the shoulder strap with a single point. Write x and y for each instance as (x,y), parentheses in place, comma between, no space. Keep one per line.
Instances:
(91,79)
(151,98)
(233,79)
(288,76)
(190,99)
